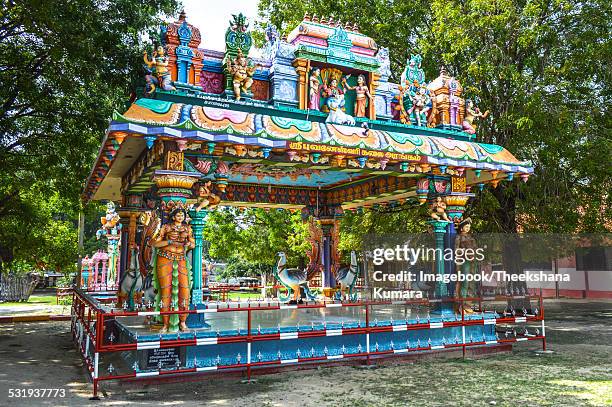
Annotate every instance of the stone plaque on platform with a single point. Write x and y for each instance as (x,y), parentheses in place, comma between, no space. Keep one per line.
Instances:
(151,358)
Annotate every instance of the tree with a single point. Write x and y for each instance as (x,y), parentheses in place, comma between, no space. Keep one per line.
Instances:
(535,65)
(253,237)
(541,67)
(64,66)
(49,238)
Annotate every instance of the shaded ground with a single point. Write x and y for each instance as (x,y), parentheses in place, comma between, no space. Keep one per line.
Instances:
(579,373)
(40,303)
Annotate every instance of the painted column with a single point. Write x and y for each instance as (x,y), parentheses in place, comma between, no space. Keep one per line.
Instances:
(327,280)
(123,248)
(85,267)
(439,229)
(331,256)
(449,265)
(301,68)
(174,188)
(198,220)
(373,77)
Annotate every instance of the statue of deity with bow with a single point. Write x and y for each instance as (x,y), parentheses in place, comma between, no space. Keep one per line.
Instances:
(157,71)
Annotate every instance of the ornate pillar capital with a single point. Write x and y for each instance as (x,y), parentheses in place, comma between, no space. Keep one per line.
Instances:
(174,187)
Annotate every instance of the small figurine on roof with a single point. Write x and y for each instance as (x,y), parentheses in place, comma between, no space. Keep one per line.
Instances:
(242,73)
(421,103)
(471,113)
(361,92)
(157,71)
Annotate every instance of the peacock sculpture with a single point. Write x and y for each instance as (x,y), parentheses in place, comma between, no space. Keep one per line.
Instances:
(292,279)
(347,276)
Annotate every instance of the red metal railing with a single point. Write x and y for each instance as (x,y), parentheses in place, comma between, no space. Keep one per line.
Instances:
(89,318)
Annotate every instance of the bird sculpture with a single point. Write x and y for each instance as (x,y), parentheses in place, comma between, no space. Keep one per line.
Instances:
(347,276)
(292,279)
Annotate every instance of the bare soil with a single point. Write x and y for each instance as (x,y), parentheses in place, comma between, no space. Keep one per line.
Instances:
(578,373)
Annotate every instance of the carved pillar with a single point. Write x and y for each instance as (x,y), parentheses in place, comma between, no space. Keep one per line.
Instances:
(301,67)
(124,248)
(85,270)
(196,67)
(457,199)
(328,279)
(198,220)
(174,187)
(373,83)
(315,265)
(439,230)
(330,226)
(128,247)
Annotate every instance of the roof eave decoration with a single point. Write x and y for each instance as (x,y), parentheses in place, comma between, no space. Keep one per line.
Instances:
(200,123)
(420,153)
(106,157)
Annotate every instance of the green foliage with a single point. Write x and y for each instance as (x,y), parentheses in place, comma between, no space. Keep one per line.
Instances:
(239,267)
(542,69)
(537,66)
(42,230)
(250,239)
(64,66)
(355,226)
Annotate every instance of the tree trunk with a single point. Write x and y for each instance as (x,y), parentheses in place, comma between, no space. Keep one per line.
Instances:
(511,249)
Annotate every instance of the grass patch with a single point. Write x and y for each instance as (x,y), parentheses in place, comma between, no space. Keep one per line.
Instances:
(38,300)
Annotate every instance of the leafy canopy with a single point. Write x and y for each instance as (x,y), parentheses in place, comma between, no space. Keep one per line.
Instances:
(64,66)
(541,67)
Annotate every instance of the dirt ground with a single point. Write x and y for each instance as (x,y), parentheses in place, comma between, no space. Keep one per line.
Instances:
(578,373)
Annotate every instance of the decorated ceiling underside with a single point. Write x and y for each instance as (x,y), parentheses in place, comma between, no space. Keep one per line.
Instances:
(316,113)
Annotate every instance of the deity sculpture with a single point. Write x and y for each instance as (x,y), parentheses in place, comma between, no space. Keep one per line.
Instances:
(413,73)
(438,210)
(332,88)
(242,73)
(414,92)
(453,101)
(272,42)
(172,270)
(314,89)
(361,91)
(464,240)
(421,104)
(158,73)
(206,199)
(471,113)
(111,229)
(334,104)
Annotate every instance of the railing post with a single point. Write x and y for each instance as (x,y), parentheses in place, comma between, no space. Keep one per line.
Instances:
(249,340)
(367,322)
(543,323)
(463,326)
